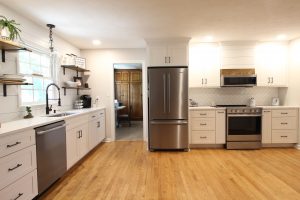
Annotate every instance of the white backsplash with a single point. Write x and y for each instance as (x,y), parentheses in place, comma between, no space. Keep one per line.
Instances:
(208,96)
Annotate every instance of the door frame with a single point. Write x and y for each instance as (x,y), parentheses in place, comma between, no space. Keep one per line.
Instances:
(145,98)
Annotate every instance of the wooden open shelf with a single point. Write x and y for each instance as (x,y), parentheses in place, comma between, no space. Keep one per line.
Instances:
(74,68)
(6,45)
(74,88)
(6,83)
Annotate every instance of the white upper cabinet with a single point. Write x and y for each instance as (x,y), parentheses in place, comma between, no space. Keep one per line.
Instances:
(168,52)
(204,65)
(271,64)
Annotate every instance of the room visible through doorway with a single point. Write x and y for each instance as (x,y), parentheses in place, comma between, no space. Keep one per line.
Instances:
(128,101)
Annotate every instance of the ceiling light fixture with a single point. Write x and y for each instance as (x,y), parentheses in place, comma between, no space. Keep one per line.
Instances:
(281,37)
(96,42)
(208,38)
(51,26)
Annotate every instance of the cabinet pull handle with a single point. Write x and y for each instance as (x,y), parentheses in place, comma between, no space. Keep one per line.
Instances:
(202,114)
(272,80)
(93,116)
(17,166)
(203,137)
(284,123)
(221,112)
(202,81)
(206,81)
(284,113)
(169,59)
(98,124)
(204,124)
(268,79)
(165,59)
(78,134)
(284,136)
(11,145)
(19,195)
(267,111)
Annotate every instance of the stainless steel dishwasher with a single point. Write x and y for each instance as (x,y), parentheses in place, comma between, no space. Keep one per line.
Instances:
(51,154)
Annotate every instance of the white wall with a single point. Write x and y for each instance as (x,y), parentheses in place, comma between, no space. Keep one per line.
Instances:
(101,80)
(37,36)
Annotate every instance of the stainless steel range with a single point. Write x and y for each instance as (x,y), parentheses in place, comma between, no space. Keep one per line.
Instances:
(243,127)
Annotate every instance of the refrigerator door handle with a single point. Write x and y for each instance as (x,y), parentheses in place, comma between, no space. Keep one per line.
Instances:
(169,92)
(173,122)
(164,79)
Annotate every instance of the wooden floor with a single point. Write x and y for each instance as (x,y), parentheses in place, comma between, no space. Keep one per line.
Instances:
(125,170)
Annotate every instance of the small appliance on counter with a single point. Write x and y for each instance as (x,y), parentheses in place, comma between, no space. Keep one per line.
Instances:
(78,104)
(87,101)
(275,101)
(252,102)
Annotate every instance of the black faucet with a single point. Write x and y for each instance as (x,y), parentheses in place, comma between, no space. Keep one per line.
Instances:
(48,109)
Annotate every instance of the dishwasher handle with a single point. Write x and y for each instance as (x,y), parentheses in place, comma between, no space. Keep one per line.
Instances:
(52,129)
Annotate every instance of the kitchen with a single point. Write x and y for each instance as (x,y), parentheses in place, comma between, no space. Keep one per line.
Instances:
(95,161)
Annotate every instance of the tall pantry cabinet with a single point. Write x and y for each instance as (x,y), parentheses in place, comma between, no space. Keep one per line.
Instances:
(128,91)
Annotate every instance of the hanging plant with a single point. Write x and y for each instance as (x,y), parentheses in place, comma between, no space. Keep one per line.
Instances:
(9,29)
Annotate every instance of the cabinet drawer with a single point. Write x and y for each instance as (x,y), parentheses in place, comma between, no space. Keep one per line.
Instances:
(97,114)
(203,113)
(16,165)
(23,189)
(203,137)
(286,136)
(284,123)
(285,113)
(203,124)
(17,141)
(76,121)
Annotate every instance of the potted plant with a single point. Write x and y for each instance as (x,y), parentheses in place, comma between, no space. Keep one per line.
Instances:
(29,115)
(9,29)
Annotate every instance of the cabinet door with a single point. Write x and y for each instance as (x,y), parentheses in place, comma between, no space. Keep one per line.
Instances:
(267,127)
(101,129)
(92,134)
(177,55)
(83,141)
(136,76)
(122,94)
(158,56)
(136,101)
(220,126)
(72,150)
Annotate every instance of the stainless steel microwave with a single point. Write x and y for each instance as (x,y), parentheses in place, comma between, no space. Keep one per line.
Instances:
(238,80)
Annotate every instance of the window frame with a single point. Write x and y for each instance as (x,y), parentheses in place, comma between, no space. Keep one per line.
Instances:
(52,77)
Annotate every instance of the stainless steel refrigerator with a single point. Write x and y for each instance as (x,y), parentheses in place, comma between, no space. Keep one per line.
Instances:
(168,108)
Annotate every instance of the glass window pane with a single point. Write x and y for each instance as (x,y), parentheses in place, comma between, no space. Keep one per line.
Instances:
(47,82)
(27,96)
(36,69)
(38,83)
(24,56)
(45,61)
(39,96)
(46,72)
(24,68)
(35,59)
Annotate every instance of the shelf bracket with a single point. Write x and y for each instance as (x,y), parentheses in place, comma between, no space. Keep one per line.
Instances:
(4,90)
(3,55)
(65,91)
(64,70)
(77,91)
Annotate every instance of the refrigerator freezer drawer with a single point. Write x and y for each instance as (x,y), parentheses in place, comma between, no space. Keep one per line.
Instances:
(168,135)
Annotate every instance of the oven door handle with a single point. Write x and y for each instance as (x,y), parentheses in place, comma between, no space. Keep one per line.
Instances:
(243,115)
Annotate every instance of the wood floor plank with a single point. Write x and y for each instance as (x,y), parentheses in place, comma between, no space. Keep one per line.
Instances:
(126,170)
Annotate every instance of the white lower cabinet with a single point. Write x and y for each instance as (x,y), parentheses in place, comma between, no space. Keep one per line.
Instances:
(77,144)
(280,126)
(207,126)
(96,128)
(23,189)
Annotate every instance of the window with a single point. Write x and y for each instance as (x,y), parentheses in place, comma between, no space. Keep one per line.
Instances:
(37,69)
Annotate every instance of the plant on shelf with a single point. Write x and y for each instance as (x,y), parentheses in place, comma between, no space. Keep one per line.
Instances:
(9,29)
(29,115)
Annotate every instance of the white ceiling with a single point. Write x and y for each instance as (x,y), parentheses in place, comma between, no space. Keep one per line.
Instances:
(125,23)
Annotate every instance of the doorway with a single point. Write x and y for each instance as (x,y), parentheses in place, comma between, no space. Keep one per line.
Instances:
(128,101)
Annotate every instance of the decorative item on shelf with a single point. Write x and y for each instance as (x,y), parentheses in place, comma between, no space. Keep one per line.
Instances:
(51,26)
(78,80)
(9,29)
(86,85)
(29,115)
(80,62)
(71,84)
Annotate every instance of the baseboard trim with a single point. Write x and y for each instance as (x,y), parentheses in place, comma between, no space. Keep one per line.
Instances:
(278,145)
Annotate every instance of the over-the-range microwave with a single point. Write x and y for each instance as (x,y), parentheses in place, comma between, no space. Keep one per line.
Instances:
(238,80)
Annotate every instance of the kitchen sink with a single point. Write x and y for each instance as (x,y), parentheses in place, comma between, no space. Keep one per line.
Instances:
(60,114)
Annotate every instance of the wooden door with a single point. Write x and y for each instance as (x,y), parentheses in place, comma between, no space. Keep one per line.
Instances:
(136,101)
(122,95)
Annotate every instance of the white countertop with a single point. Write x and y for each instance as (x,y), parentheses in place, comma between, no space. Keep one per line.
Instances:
(22,124)
(264,107)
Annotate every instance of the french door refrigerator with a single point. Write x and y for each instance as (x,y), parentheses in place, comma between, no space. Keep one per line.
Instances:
(168,108)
